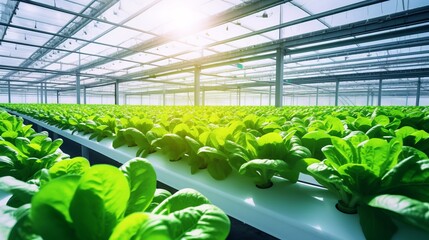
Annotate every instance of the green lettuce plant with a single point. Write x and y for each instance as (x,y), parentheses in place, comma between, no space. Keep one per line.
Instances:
(104,202)
(364,174)
(275,155)
(24,158)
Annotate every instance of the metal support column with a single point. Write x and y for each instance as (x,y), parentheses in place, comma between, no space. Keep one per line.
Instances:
(41,93)
(406,99)
(46,93)
(279,77)
(419,85)
(9,97)
(337,87)
(367,97)
(58,97)
(317,96)
(77,88)
(84,95)
(239,96)
(380,85)
(163,98)
(203,98)
(197,73)
(269,97)
(84,151)
(116,92)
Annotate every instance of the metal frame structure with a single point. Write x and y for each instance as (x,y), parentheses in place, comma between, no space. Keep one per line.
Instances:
(252,56)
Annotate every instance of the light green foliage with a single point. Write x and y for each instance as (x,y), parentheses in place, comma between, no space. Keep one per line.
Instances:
(142,183)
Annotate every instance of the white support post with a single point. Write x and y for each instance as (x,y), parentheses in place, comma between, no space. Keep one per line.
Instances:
(419,85)
(279,77)
(163,98)
(77,88)
(58,97)
(317,96)
(367,97)
(84,95)
(269,96)
(197,73)
(41,93)
(406,99)
(9,96)
(380,85)
(337,88)
(203,98)
(239,96)
(46,92)
(116,92)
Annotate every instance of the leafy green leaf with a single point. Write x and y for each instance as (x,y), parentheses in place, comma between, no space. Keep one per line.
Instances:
(270,146)
(129,228)
(262,170)
(172,145)
(50,209)
(315,141)
(375,224)
(22,191)
(159,196)
(182,199)
(77,166)
(379,154)
(23,229)
(141,177)
(409,210)
(217,162)
(99,202)
(359,179)
(205,221)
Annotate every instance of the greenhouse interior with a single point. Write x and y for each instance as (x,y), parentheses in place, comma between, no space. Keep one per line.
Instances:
(214,119)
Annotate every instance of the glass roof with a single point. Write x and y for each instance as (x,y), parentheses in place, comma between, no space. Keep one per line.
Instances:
(158,44)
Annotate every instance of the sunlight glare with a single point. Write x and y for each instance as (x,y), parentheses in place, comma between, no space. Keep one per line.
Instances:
(181,16)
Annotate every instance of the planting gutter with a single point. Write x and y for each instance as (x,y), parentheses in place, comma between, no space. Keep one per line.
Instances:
(286,211)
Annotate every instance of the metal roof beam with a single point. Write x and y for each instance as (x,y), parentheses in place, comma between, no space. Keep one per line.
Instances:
(389,22)
(68,30)
(239,11)
(7,15)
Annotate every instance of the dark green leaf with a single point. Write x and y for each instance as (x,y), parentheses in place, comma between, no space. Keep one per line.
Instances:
(375,224)
(409,210)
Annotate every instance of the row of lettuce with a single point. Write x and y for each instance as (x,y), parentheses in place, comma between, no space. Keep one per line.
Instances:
(48,195)
(373,159)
